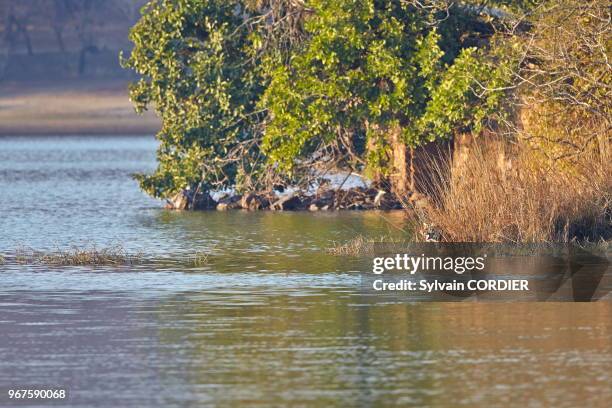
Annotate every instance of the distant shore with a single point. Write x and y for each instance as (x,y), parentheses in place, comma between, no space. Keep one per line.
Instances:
(71,107)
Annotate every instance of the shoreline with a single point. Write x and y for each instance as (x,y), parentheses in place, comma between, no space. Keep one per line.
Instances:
(79,107)
(76,132)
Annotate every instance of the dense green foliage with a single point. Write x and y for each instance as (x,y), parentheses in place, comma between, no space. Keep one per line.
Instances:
(371,66)
(238,105)
(199,76)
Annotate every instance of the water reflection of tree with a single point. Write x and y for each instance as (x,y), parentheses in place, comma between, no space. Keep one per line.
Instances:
(332,347)
(277,242)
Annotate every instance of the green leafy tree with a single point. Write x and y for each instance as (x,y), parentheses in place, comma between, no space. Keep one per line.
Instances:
(379,75)
(198,73)
(352,80)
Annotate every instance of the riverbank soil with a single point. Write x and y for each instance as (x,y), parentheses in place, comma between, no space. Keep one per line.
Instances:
(73,107)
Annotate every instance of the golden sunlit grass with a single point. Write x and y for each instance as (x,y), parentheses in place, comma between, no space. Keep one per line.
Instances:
(531,202)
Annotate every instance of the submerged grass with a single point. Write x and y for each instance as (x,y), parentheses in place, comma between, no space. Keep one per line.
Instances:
(362,245)
(110,256)
(356,246)
(200,258)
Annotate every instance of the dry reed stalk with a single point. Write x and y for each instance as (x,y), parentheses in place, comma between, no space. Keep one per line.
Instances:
(529,202)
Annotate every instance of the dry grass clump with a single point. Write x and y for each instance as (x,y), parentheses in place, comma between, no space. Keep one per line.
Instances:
(200,259)
(356,246)
(525,199)
(89,256)
(75,256)
(361,245)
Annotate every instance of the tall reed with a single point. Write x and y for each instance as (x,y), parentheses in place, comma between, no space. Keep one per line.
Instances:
(523,199)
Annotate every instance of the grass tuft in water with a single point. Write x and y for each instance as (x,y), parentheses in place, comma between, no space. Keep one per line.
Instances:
(361,245)
(356,246)
(200,259)
(74,256)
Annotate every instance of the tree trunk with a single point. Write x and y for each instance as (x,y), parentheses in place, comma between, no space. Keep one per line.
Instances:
(373,172)
(463,146)
(91,49)
(401,179)
(60,38)
(28,41)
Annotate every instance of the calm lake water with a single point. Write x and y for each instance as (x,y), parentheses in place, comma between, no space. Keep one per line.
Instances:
(268,320)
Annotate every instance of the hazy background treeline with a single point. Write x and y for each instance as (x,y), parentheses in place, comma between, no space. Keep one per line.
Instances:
(59,39)
(60,71)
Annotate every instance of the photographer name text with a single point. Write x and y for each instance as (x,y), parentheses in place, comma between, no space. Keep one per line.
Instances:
(412,264)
